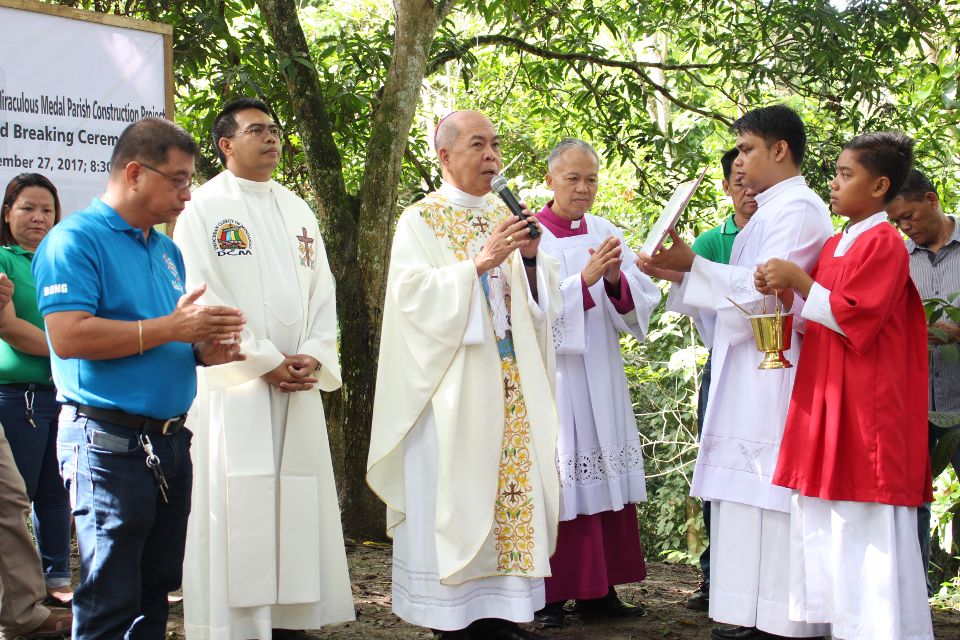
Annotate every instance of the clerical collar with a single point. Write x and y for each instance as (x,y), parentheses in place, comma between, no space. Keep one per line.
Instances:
(780,187)
(548,214)
(252,186)
(461,198)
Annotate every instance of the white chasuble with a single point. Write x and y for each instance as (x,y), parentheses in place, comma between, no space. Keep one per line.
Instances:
(747,410)
(598,447)
(464,408)
(264,544)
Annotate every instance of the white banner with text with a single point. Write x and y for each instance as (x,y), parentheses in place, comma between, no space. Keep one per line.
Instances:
(68,88)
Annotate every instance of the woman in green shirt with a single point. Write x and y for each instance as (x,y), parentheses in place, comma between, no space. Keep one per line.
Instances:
(28,404)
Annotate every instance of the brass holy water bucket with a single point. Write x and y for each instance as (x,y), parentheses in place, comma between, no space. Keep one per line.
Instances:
(772,332)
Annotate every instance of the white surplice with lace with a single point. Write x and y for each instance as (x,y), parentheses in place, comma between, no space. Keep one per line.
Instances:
(598,446)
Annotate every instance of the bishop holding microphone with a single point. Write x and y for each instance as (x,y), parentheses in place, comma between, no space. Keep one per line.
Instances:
(464,419)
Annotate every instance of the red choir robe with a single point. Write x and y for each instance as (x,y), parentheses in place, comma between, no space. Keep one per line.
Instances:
(857,425)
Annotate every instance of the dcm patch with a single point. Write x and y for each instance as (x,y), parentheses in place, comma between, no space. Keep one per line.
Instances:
(230,238)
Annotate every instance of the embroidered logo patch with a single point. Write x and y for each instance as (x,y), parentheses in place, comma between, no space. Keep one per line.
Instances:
(176,281)
(230,238)
(306,249)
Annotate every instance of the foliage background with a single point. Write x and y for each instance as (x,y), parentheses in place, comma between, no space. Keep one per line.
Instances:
(652,85)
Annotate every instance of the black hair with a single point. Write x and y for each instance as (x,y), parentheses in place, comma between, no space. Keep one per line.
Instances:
(727,162)
(774,123)
(884,153)
(14,187)
(225,124)
(916,187)
(150,140)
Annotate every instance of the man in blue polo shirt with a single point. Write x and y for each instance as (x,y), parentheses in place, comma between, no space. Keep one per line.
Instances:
(716,245)
(125,338)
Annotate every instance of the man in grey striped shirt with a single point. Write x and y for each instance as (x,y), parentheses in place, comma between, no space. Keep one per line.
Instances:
(934,247)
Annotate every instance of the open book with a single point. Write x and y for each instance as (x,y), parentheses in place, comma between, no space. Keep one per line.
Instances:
(671,212)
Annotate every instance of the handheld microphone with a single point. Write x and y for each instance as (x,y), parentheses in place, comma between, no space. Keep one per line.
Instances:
(499,186)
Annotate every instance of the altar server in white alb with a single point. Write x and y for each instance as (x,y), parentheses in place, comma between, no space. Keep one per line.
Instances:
(265,553)
(598,447)
(464,420)
(750,521)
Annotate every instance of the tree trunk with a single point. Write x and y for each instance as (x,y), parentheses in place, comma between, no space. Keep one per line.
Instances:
(357,231)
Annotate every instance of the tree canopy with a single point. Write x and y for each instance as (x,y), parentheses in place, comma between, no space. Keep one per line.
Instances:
(358,86)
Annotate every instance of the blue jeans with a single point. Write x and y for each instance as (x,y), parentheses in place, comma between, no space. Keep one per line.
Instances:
(923,511)
(701,412)
(131,541)
(35,452)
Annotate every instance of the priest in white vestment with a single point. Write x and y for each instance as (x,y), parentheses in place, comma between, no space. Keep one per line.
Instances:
(744,421)
(265,553)
(598,448)
(463,443)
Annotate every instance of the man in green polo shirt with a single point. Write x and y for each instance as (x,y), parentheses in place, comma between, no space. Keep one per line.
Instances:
(715,245)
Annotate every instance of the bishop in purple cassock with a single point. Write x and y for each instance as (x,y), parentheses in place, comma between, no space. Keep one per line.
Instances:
(598,448)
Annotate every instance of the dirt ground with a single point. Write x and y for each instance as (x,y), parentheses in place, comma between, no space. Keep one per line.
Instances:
(663,593)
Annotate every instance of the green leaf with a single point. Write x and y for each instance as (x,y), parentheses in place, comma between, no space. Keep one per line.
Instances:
(943,419)
(934,314)
(937,332)
(943,453)
(950,353)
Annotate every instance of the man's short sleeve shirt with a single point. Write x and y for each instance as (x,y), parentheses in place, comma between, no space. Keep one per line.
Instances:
(94,261)
(937,275)
(716,245)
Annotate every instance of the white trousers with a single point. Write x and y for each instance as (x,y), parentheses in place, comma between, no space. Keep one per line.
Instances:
(749,570)
(418,596)
(857,565)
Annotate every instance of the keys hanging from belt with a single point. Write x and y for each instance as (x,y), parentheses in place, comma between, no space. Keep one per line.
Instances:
(28,399)
(153,463)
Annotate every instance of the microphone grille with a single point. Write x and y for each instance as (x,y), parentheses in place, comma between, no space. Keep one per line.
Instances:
(499,183)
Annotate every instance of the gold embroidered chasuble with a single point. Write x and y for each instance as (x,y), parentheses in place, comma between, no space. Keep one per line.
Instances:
(498,497)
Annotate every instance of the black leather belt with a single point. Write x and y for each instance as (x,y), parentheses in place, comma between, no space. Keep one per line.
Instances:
(27,386)
(133,421)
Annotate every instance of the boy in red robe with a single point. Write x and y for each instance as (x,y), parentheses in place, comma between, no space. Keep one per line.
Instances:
(855,446)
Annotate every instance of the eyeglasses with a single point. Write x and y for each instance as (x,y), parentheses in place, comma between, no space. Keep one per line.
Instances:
(257,131)
(179,183)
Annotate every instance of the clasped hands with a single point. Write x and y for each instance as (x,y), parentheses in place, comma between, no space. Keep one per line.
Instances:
(295,373)
(511,233)
(946,333)
(781,277)
(604,262)
(214,330)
